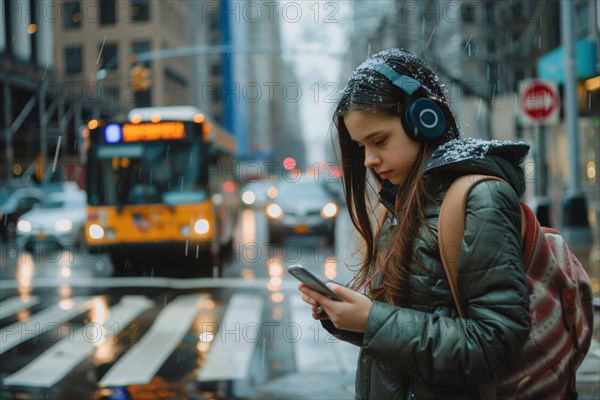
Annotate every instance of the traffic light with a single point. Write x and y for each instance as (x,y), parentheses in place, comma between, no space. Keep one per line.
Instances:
(141,77)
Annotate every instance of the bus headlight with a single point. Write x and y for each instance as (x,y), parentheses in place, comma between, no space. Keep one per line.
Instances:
(201,226)
(96,231)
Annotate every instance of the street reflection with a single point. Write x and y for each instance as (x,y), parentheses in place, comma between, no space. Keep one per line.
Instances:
(24,274)
(247,274)
(208,304)
(248,226)
(205,325)
(65,291)
(105,351)
(277,313)
(275,271)
(66,259)
(330,267)
(66,304)
(99,311)
(277,297)
(23,315)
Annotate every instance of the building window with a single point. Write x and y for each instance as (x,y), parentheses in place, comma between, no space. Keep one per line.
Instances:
(108,56)
(72,14)
(73,60)
(108,12)
(140,10)
(489,13)
(467,13)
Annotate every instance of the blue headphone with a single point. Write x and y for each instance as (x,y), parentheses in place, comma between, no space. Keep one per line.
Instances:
(423,119)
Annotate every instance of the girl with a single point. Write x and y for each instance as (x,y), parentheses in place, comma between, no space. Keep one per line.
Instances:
(396,131)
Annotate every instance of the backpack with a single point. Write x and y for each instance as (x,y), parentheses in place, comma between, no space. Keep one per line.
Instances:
(560,302)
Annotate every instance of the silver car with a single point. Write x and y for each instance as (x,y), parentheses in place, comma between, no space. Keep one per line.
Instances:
(302,207)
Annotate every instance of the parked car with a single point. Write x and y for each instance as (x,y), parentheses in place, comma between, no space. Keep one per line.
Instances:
(60,218)
(257,194)
(13,204)
(300,208)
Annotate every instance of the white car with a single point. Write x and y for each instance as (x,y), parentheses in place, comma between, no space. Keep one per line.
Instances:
(60,218)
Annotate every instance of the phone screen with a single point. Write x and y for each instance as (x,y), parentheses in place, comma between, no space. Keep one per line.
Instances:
(310,280)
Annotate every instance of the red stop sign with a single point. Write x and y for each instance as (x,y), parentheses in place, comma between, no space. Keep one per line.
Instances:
(539,101)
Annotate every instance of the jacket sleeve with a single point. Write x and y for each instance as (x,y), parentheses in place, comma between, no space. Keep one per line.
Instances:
(493,289)
(355,338)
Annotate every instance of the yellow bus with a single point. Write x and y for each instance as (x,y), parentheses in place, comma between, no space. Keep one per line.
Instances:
(161,185)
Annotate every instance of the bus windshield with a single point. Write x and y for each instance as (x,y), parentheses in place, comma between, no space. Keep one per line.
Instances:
(147,173)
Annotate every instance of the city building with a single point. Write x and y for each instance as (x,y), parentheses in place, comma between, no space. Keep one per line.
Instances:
(120,47)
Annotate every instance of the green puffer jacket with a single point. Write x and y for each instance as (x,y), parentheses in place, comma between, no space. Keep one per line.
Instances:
(426,351)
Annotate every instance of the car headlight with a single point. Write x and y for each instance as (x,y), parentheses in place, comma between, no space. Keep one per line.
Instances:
(248,197)
(96,231)
(24,226)
(63,225)
(201,226)
(329,210)
(274,211)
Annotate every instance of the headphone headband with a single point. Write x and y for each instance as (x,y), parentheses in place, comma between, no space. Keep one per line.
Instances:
(406,83)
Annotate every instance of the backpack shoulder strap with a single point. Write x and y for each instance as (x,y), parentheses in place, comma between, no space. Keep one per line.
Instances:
(451,228)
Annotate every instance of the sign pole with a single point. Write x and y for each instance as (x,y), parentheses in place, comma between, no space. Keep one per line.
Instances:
(576,227)
(543,207)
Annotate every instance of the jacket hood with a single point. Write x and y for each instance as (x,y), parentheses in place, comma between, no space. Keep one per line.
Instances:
(475,156)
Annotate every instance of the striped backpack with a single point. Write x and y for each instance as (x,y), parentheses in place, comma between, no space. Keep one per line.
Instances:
(560,302)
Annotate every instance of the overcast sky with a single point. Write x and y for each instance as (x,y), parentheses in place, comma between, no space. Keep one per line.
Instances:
(316,39)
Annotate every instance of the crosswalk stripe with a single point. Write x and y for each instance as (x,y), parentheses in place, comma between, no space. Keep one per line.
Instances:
(141,363)
(13,305)
(234,341)
(45,322)
(54,364)
(316,350)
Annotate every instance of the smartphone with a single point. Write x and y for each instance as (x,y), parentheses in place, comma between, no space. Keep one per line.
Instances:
(309,279)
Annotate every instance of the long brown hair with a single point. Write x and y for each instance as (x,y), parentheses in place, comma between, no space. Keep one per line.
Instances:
(370,91)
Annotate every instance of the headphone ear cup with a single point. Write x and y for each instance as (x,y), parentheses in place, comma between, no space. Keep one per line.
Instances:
(424,120)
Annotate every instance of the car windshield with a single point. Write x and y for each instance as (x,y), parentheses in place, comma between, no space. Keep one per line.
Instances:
(56,203)
(147,176)
(301,190)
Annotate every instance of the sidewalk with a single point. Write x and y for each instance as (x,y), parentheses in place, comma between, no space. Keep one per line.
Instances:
(313,386)
(588,374)
(340,386)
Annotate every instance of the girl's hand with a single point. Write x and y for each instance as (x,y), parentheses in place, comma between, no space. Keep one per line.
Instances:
(351,314)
